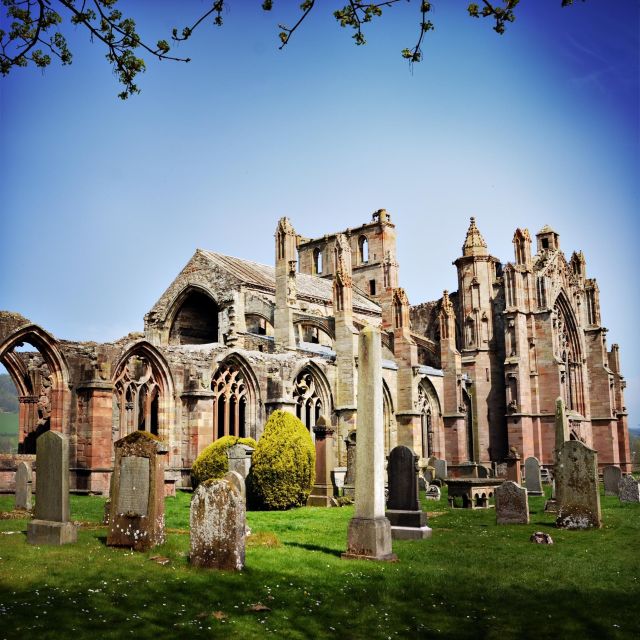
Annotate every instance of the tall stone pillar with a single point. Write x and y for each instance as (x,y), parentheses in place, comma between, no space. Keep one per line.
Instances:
(286,264)
(369,530)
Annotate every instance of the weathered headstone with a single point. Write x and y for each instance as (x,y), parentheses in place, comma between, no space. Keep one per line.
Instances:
(240,459)
(532,477)
(514,472)
(369,533)
(611,476)
(408,521)
(433,492)
(23,486)
(217,526)
(512,504)
(629,489)
(322,491)
(237,481)
(577,488)
(51,523)
(136,519)
(349,486)
(441,468)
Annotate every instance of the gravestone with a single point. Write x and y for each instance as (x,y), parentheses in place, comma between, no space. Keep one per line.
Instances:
(136,517)
(349,486)
(611,476)
(217,526)
(408,521)
(512,504)
(562,425)
(532,477)
(629,489)
(322,490)
(369,535)
(577,487)
(237,481)
(433,492)
(51,519)
(23,486)
(240,459)
(440,467)
(514,472)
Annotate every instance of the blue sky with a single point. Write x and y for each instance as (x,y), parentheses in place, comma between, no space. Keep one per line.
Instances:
(104,201)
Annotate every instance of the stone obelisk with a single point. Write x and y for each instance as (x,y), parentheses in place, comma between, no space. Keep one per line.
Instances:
(369,530)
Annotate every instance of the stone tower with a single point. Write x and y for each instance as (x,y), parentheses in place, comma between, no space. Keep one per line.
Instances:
(286,264)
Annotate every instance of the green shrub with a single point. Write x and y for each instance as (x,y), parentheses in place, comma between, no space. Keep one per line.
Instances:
(213,461)
(283,465)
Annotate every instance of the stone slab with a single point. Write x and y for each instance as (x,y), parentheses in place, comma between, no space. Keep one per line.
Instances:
(411,533)
(611,476)
(629,489)
(512,505)
(23,497)
(532,477)
(405,518)
(133,497)
(369,539)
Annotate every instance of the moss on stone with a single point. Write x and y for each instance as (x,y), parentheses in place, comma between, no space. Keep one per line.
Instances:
(283,465)
(213,463)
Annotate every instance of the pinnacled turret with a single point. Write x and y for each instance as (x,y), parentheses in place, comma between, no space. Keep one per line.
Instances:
(286,264)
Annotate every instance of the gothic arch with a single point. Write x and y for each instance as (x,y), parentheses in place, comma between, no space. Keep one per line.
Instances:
(568,348)
(312,394)
(388,418)
(431,419)
(200,323)
(143,393)
(44,388)
(236,402)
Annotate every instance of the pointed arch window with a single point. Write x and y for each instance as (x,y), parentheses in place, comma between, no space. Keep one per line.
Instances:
(229,402)
(363,249)
(308,402)
(317,260)
(137,395)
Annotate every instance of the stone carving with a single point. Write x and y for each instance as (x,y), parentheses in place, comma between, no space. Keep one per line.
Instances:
(51,523)
(349,486)
(136,517)
(512,505)
(433,492)
(577,488)
(532,477)
(217,526)
(629,489)
(611,476)
(23,486)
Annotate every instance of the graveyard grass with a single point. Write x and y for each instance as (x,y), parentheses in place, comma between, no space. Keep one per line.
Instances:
(472,579)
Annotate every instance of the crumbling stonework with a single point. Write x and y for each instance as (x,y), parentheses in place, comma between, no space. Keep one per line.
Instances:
(464,378)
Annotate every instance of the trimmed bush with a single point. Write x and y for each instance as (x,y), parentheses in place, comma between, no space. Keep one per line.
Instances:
(213,463)
(283,465)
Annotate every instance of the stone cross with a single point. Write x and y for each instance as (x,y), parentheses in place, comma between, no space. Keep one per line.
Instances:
(611,476)
(51,523)
(629,489)
(512,504)
(23,486)
(577,487)
(217,526)
(408,521)
(562,425)
(136,518)
(532,477)
(322,491)
(369,533)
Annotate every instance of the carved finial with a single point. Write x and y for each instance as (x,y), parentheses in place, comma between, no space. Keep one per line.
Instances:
(474,244)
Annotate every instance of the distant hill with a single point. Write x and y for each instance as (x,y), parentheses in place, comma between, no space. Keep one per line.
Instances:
(8,394)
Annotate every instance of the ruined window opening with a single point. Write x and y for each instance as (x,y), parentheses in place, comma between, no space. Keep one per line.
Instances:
(545,243)
(308,402)
(317,261)
(363,249)
(372,287)
(196,322)
(229,402)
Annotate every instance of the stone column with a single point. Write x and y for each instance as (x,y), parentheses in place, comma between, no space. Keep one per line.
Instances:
(562,425)
(322,492)
(369,530)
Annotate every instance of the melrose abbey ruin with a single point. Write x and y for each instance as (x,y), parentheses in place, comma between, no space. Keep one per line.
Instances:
(468,378)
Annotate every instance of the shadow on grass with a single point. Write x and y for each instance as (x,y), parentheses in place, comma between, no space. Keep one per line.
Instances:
(314,547)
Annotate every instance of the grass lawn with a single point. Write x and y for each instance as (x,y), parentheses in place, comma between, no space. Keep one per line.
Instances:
(8,432)
(472,579)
